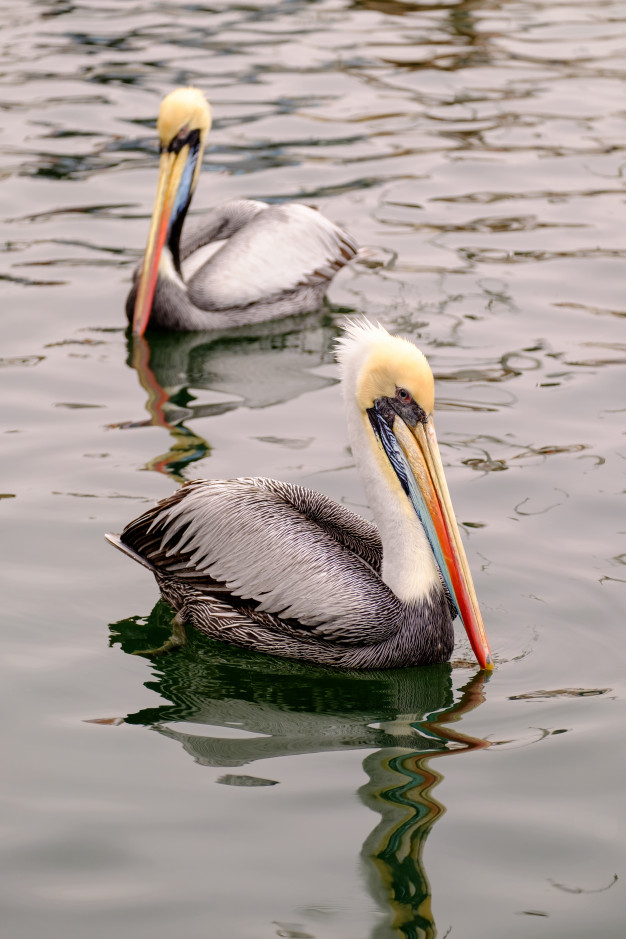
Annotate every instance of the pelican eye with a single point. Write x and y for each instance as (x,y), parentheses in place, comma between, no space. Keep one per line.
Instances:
(405,405)
(184,136)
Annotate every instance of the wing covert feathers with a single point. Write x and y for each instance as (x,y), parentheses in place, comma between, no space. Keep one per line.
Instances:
(292,557)
(280,248)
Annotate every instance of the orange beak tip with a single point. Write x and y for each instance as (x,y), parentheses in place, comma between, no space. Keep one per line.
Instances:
(141,318)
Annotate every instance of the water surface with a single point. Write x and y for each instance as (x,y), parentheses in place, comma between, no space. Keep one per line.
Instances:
(478,151)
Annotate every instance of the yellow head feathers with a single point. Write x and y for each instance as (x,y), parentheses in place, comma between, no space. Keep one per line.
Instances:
(375,364)
(184,109)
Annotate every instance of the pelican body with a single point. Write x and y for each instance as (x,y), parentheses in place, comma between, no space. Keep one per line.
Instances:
(245,262)
(284,570)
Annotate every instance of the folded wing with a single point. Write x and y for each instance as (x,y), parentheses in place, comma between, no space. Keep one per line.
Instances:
(279,249)
(292,552)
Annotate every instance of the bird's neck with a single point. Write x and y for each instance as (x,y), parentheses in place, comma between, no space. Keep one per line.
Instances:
(184,195)
(409,568)
(173,236)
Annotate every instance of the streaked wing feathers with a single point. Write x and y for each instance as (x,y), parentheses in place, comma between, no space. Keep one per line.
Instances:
(296,553)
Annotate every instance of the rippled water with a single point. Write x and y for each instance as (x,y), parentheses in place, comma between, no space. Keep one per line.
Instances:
(478,151)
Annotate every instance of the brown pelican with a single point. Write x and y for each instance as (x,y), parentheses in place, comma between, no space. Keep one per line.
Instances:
(246,261)
(281,569)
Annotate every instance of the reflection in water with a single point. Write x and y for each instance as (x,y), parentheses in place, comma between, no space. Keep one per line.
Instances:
(400,788)
(402,717)
(255,366)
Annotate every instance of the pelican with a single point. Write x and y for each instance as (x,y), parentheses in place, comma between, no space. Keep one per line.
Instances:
(284,570)
(246,261)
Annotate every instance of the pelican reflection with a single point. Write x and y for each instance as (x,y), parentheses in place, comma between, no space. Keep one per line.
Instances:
(405,719)
(252,367)
(400,787)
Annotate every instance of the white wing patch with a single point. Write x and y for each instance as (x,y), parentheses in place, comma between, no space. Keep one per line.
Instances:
(279,249)
(191,265)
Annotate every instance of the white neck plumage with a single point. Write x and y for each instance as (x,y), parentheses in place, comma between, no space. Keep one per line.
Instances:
(409,567)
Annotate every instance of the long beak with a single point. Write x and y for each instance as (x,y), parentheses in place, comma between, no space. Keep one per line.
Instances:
(171,168)
(422,454)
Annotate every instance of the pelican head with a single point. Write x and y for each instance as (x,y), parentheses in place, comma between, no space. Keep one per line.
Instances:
(183,124)
(390,395)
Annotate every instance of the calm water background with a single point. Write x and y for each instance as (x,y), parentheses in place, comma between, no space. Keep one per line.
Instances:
(478,149)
